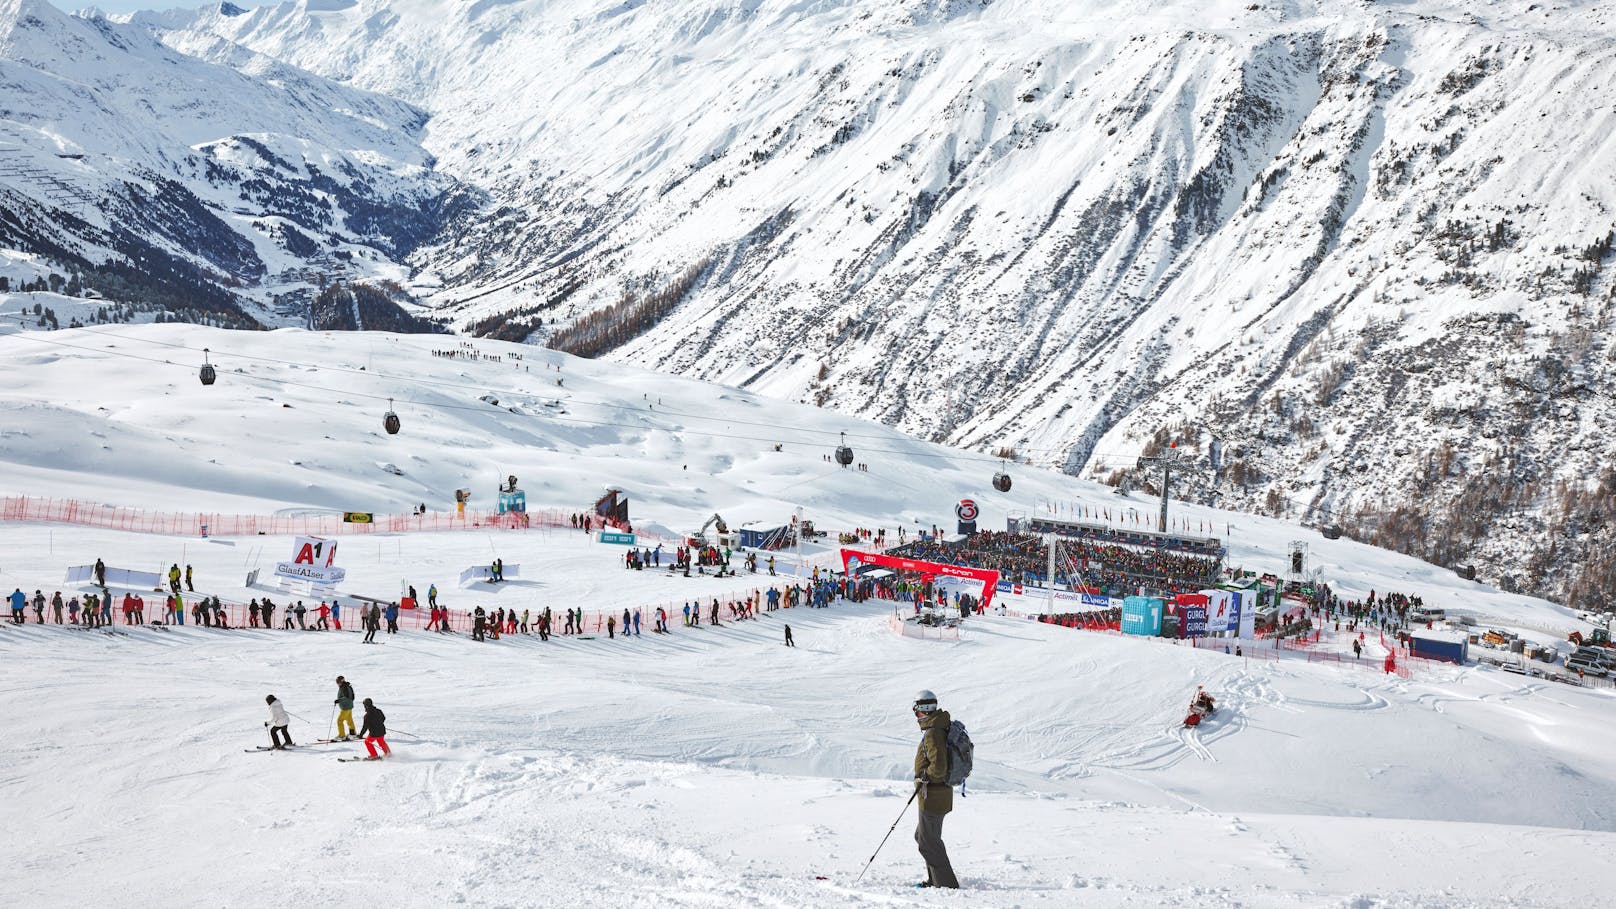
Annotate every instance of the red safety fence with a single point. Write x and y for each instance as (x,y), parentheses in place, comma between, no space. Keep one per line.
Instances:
(1087,622)
(140,520)
(1264,648)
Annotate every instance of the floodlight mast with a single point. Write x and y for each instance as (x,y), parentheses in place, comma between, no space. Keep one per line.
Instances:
(1050,544)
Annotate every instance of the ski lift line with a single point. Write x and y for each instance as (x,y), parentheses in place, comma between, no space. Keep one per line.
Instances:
(574,401)
(514,391)
(483,408)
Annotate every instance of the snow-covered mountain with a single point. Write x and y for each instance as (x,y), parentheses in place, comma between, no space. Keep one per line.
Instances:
(227,191)
(1349,255)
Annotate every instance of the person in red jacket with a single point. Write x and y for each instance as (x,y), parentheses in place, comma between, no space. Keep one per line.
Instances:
(324,624)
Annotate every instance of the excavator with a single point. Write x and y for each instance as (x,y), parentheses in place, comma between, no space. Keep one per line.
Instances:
(1598,637)
(700,536)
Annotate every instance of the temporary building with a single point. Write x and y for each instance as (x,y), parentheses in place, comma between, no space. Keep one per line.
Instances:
(758,536)
(1449,646)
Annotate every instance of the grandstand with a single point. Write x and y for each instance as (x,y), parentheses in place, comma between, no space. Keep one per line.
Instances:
(1091,558)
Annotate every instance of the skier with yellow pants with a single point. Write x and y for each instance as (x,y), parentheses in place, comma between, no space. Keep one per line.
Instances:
(344,702)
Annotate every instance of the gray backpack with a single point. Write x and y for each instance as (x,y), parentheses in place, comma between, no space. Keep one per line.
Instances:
(960,753)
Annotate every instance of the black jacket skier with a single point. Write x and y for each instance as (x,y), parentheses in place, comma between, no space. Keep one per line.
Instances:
(375,721)
(374,730)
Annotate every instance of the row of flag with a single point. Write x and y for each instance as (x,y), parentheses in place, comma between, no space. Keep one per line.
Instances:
(1073,511)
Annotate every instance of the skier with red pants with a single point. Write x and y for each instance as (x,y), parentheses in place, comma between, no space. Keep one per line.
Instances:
(374,731)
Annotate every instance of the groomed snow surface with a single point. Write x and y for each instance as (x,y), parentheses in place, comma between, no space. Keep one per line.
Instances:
(713,767)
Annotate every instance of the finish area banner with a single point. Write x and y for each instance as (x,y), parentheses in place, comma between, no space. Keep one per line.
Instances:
(852,560)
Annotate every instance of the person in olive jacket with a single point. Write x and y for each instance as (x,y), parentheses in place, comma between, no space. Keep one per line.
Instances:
(935,795)
(375,731)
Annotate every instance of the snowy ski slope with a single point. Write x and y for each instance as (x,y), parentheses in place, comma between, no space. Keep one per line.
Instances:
(713,767)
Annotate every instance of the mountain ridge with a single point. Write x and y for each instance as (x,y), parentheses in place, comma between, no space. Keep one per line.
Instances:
(216,191)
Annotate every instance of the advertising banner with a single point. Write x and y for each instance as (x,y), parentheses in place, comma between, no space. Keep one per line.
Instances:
(1141,615)
(1191,610)
(116,577)
(1236,607)
(614,536)
(1218,612)
(485,572)
(1248,615)
(966,511)
(312,573)
(1191,621)
(313,560)
(987,578)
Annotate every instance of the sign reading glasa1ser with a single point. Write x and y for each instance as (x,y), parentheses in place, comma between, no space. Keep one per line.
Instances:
(313,560)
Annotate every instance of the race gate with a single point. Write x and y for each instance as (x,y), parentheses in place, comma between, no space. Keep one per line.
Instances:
(853,559)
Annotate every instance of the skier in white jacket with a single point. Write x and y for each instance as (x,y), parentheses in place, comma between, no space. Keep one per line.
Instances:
(279,737)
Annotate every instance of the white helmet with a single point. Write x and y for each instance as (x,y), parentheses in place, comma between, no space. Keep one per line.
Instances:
(925,702)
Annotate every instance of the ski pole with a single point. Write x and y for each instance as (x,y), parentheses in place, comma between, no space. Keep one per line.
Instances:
(331,727)
(888,836)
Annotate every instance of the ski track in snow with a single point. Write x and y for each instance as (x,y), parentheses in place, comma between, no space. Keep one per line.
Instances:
(592,776)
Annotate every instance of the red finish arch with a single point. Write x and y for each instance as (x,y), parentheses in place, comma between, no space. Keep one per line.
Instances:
(928,570)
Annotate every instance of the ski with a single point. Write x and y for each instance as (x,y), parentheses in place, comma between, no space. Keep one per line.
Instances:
(349,760)
(291,747)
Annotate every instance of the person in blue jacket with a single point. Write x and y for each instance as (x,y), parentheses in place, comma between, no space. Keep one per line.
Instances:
(19,601)
(392,618)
